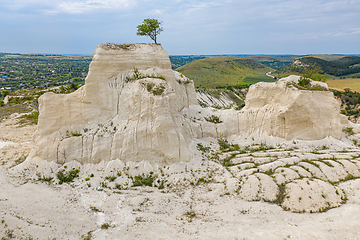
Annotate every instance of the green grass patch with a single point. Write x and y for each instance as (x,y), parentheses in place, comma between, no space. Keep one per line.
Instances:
(255,79)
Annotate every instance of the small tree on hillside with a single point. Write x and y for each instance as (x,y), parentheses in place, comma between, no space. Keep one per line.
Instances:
(150,27)
(312,72)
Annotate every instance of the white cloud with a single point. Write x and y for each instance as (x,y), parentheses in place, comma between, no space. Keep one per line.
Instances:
(66,6)
(156,12)
(353,31)
(91,5)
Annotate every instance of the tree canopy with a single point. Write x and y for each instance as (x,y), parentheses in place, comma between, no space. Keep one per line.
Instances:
(150,27)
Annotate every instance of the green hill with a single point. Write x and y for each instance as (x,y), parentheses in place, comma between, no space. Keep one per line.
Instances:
(342,67)
(225,71)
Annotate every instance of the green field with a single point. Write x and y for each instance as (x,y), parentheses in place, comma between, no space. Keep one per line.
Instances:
(225,71)
(351,83)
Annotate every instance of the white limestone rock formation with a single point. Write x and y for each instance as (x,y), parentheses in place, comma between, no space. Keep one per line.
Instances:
(127,109)
(281,110)
(276,109)
(134,107)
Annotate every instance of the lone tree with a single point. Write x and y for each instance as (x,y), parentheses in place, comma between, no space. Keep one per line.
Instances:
(150,27)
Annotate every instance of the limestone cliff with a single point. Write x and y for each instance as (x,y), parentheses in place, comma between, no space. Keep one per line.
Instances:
(128,109)
(133,107)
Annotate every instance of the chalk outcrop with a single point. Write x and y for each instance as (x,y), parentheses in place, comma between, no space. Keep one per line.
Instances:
(128,109)
(282,110)
(278,109)
(134,107)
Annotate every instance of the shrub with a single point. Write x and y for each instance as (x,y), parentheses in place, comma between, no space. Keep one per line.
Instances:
(142,181)
(223,143)
(137,74)
(348,130)
(304,81)
(214,119)
(154,89)
(112,178)
(68,176)
(158,90)
(105,226)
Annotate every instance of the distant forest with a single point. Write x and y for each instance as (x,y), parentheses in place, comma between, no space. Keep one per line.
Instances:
(341,67)
(345,66)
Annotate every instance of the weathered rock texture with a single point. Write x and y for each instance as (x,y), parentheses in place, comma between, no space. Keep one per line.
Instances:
(128,109)
(133,107)
(281,110)
(275,109)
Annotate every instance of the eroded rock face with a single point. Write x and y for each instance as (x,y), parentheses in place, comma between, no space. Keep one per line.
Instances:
(134,107)
(281,110)
(128,109)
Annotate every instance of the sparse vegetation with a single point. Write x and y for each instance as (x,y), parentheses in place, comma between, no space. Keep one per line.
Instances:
(88,236)
(31,118)
(348,131)
(143,181)
(95,209)
(281,194)
(105,226)
(306,86)
(73,134)
(203,149)
(45,179)
(153,88)
(190,215)
(67,176)
(9,234)
(20,159)
(213,118)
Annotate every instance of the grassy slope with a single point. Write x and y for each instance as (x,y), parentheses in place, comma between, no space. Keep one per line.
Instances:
(224,71)
(341,84)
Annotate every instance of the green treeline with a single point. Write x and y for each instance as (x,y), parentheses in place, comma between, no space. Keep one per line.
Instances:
(341,67)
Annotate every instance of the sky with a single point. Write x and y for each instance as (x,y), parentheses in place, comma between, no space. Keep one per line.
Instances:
(191,27)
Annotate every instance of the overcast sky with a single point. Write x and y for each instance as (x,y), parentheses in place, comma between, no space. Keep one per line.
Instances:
(190,26)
